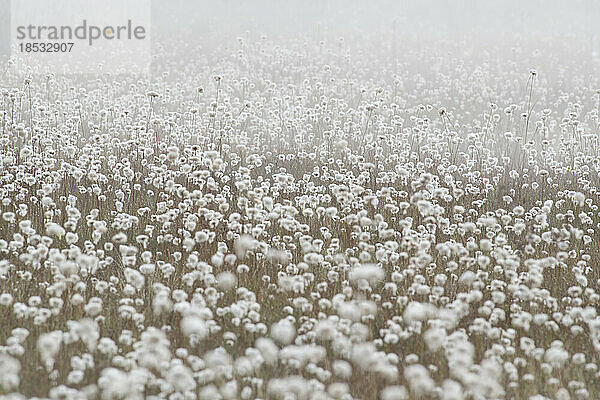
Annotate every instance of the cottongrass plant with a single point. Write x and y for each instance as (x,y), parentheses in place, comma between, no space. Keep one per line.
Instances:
(291,220)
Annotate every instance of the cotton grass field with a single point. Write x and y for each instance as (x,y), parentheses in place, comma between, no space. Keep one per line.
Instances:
(304,219)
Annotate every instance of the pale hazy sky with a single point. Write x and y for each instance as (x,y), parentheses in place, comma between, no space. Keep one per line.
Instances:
(485,22)
(579,18)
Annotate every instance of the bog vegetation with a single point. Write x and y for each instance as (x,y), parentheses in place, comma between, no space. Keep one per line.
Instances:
(302,220)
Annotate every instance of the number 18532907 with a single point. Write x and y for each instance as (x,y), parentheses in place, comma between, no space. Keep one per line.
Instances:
(44,47)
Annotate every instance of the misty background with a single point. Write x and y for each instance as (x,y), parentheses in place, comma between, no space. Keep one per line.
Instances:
(429,19)
(558,38)
(537,33)
(470,25)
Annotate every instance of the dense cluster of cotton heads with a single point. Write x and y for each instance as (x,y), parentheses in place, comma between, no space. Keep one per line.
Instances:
(302,220)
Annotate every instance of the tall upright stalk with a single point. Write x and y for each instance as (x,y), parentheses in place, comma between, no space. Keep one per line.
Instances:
(530,82)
